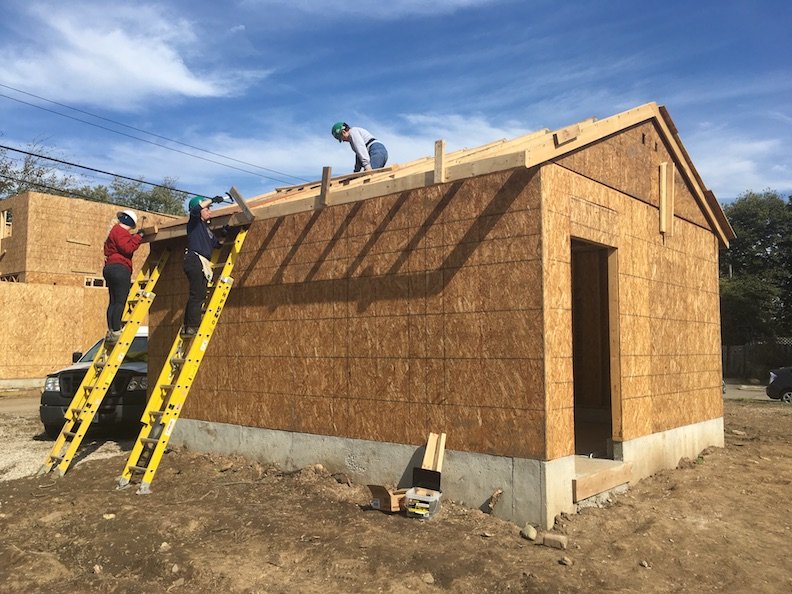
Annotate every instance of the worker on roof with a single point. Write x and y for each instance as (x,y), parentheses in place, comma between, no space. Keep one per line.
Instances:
(119,247)
(201,240)
(370,153)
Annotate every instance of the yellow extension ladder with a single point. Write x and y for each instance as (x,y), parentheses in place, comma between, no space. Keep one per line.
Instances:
(103,369)
(178,373)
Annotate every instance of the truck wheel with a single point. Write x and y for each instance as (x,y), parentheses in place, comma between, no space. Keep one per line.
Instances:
(786,396)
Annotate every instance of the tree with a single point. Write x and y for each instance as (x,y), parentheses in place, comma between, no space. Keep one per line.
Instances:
(161,198)
(30,172)
(756,278)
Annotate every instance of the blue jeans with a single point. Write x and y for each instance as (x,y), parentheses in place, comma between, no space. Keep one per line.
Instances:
(378,156)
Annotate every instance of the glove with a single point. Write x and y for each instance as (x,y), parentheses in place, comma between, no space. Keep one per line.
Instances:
(223,231)
(218,199)
(140,232)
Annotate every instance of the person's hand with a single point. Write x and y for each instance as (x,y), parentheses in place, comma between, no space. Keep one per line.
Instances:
(218,199)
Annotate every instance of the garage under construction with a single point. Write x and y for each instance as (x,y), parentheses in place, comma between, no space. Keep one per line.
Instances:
(549,302)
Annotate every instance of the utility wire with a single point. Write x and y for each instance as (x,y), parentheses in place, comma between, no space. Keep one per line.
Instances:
(175,150)
(93,115)
(140,181)
(46,187)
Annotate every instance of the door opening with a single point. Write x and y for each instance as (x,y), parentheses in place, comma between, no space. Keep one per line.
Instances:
(591,350)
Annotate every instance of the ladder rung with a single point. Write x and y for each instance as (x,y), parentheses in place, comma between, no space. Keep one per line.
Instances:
(69,433)
(149,440)
(178,360)
(138,468)
(100,364)
(77,411)
(58,458)
(156,413)
(167,386)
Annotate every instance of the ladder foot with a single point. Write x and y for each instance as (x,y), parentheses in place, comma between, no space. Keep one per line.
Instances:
(59,473)
(43,470)
(121,483)
(144,489)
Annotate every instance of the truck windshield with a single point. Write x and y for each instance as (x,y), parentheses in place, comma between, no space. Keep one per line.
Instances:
(138,351)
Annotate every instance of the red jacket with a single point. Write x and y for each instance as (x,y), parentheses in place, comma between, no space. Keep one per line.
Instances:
(120,245)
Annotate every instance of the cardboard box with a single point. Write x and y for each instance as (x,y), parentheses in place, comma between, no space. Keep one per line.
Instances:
(385,499)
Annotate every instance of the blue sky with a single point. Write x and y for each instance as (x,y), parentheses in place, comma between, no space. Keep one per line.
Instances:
(262,81)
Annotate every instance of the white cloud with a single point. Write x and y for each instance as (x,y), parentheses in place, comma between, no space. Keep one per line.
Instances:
(394,9)
(111,55)
(731,162)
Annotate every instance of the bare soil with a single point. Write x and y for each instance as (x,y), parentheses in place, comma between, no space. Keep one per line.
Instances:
(720,523)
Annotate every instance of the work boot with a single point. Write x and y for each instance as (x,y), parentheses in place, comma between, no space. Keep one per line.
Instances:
(189,331)
(112,336)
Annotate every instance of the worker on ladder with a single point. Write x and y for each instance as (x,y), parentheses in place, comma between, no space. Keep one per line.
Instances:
(201,240)
(119,247)
(370,153)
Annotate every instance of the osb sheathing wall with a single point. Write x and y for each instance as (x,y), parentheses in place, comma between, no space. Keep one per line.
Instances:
(383,320)
(668,364)
(13,249)
(65,238)
(42,325)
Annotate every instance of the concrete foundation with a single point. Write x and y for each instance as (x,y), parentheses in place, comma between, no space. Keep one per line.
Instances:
(651,453)
(534,491)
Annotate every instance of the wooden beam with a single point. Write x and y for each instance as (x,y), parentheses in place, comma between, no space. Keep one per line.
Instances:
(234,193)
(339,178)
(435,452)
(439,162)
(584,487)
(564,135)
(327,173)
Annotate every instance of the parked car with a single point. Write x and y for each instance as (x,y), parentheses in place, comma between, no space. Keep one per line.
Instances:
(125,401)
(780,386)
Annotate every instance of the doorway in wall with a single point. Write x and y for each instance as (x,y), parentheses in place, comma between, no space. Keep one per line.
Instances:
(591,349)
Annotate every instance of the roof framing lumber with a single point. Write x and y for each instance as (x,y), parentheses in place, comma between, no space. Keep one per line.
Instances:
(525,151)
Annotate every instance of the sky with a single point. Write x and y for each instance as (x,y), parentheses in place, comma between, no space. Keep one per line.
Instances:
(244,92)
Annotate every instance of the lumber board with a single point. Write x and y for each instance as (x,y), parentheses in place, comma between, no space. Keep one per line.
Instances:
(526,151)
(435,452)
(584,487)
(234,193)
(439,164)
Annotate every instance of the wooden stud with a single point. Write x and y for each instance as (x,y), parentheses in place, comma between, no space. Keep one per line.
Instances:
(327,173)
(527,151)
(435,452)
(439,162)
(248,214)
(666,199)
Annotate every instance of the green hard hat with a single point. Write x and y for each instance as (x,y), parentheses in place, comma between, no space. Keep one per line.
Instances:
(193,201)
(336,130)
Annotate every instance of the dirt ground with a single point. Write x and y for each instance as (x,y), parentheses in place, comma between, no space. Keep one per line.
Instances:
(720,523)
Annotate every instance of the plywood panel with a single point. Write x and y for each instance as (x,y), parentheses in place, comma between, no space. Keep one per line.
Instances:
(390,341)
(44,324)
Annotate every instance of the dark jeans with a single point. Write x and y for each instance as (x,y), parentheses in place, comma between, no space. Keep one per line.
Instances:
(198,284)
(119,282)
(378,156)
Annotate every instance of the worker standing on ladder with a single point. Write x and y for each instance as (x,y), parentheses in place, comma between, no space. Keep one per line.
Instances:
(119,248)
(201,240)
(370,153)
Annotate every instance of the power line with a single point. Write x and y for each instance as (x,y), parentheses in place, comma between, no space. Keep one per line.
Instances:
(140,181)
(46,187)
(197,148)
(175,150)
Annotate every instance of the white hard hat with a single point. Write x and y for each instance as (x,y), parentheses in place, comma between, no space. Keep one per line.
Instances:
(130,214)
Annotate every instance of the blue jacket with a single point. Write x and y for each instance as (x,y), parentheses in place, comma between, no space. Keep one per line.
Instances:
(200,238)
